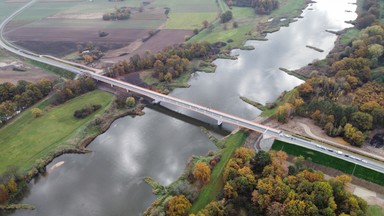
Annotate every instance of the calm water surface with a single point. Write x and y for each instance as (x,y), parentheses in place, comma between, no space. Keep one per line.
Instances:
(109,181)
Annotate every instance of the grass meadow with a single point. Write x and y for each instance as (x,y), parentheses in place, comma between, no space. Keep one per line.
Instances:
(247,23)
(26,139)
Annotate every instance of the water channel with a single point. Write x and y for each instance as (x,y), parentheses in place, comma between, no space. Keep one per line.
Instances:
(109,181)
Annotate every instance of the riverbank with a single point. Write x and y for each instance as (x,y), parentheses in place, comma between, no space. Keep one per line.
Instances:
(250,26)
(202,195)
(63,133)
(245,25)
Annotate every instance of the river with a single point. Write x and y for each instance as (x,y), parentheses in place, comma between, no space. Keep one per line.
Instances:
(109,181)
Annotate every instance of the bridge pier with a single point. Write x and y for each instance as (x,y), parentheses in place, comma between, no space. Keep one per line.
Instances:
(219,122)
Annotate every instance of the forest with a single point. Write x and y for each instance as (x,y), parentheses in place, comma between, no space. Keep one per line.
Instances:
(167,64)
(345,93)
(261,6)
(263,184)
(15,98)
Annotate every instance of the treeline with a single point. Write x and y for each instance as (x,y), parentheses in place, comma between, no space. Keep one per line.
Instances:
(122,13)
(260,6)
(12,186)
(169,63)
(72,88)
(349,101)
(15,98)
(371,12)
(263,184)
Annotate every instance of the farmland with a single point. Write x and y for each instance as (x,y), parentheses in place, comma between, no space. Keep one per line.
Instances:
(57,27)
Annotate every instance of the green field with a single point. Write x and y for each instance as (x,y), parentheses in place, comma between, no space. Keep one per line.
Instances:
(27,139)
(329,161)
(188,14)
(36,15)
(289,8)
(41,10)
(183,14)
(189,20)
(375,211)
(248,21)
(349,35)
(188,6)
(7,9)
(93,23)
(213,188)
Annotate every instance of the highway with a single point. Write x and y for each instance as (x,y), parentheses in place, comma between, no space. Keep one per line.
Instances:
(215,114)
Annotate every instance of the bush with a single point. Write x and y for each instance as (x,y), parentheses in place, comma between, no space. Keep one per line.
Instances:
(37,112)
(82,113)
(225,17)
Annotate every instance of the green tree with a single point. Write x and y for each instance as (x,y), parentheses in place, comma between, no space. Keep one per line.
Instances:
(363,121)
(378,117)
(214,208)
(299,162)
(37,112)
(265,6)
(12,185)
(130,102)
(226,16)
(168,77)
(261,159)
(353,135)
(375,51)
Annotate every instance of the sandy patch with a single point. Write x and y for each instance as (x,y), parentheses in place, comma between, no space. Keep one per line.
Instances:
(55,166)
(161,40)
(371,197)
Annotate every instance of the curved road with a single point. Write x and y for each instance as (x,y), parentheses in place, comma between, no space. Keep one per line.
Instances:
(219,116)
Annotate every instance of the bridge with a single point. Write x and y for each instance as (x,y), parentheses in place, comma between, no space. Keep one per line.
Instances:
(215,114)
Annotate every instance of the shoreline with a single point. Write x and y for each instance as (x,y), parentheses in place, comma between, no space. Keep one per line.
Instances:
(111,114)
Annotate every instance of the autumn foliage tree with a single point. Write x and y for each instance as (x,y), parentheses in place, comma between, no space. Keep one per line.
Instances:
(202,172)
(177,206)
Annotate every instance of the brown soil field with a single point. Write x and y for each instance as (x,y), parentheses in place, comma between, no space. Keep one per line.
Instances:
(32,75)
(164,39)
(76,16)
(74,34)
(63,41)
(161,40)
(150,13)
